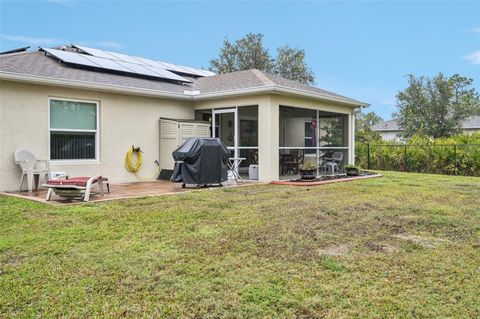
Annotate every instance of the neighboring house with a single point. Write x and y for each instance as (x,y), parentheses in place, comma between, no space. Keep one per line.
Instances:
(83,108)
(391,131)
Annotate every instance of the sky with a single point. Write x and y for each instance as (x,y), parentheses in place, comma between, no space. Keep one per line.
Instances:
(360,49)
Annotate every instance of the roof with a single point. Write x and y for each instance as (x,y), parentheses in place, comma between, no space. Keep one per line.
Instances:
(36,67)
(391,125)
(472,122)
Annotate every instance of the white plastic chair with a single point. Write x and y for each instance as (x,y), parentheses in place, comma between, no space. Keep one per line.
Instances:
(332,164)
(31,168)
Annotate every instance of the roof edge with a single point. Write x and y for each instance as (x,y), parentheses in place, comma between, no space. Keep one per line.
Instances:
(179,96)
(274,88)
(89,85)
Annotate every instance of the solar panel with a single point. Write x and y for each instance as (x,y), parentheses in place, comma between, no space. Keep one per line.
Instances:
(144,62)
(70,57)
(97,52)
(137,68)
(166,73)
(108,64)
(115,65)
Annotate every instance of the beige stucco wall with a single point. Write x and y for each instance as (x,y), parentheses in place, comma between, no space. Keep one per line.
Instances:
(268,131)
(124,120)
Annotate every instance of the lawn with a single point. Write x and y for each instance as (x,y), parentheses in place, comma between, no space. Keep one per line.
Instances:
(405,245)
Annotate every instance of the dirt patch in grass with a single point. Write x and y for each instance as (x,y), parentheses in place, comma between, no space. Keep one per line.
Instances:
(338,250)
(426,242)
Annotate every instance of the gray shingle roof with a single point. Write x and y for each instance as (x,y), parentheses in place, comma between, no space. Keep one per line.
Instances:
(391,125)
(472,122)
(38,64)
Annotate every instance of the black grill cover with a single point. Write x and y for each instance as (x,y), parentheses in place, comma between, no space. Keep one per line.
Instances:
(201,161)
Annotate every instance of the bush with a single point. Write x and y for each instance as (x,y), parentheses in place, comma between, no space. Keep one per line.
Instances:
(458,155)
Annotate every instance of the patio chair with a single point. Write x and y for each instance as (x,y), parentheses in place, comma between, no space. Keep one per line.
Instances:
(31,167)
(76,187)
(292,162)
(332,164)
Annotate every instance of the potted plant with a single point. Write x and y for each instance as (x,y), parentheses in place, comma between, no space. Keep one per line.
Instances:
(308,170)
(352,170)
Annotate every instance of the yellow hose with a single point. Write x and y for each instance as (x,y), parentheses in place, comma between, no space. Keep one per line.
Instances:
(133,160)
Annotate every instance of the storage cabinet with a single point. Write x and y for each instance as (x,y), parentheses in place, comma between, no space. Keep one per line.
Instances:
(174,132)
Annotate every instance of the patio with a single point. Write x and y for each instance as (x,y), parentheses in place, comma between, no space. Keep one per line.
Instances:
(119,191)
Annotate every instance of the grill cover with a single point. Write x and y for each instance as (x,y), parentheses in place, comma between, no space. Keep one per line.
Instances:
(201,161)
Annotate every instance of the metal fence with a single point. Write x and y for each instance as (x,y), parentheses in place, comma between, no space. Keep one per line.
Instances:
(451,159)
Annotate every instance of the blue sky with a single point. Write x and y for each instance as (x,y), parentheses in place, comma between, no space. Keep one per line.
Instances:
(359,49)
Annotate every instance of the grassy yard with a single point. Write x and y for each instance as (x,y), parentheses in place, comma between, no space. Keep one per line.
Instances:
(405,245)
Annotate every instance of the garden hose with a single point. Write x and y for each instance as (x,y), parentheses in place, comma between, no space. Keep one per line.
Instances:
(133,159)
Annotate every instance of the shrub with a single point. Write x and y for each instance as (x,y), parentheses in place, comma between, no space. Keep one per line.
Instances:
(450,155)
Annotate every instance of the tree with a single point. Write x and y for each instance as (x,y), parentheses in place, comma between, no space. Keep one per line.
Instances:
(290,64)
(249,53)
(363,126)
(436,106)
(246,53)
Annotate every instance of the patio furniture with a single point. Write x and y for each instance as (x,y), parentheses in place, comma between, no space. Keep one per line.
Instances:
(233,166)
(292,161)
(332,164)
(76,187)
(31,167)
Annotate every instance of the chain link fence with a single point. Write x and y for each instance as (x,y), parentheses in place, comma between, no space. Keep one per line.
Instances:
(450,159)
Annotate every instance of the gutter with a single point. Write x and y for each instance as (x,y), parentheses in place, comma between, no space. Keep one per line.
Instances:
(186,96)
(89,85)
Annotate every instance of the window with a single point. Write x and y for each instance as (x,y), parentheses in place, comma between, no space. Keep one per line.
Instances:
(73,130)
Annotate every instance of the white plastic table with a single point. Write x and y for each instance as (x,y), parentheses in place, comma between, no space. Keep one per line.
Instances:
(233,166)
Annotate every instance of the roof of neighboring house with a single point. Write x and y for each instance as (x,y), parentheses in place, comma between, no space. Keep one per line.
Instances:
(36,66)
(390,125)
(472,122)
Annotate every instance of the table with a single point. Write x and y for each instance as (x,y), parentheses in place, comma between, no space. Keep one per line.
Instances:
(234,165)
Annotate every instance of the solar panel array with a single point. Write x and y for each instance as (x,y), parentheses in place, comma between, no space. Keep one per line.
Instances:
(143,61)
(124,63)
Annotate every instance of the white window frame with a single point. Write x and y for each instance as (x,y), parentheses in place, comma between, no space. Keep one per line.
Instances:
(96,160)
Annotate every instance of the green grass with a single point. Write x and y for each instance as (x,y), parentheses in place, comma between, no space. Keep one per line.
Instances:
(405,245)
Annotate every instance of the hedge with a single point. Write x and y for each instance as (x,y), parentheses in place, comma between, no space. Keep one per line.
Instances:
(457,155)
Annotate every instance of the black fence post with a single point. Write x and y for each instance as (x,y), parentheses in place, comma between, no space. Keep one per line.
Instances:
(455,158)
(368,155)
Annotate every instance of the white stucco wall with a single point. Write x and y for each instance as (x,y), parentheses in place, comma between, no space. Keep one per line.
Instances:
(124,120)
(390,135)
(268,131)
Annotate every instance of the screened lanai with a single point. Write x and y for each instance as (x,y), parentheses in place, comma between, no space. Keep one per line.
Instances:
(310,136)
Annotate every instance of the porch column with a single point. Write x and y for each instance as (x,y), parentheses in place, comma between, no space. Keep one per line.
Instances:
(268,135)
(351,134)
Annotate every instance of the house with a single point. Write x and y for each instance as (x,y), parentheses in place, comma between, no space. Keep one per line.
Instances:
(83,108)
(391,131)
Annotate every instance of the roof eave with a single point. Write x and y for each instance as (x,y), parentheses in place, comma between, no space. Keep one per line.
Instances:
(179,96)
(18,77)
(278,89)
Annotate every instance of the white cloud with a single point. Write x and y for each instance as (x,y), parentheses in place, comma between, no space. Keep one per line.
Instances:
(474,57)
(107,44)
(476,30)
(29,40)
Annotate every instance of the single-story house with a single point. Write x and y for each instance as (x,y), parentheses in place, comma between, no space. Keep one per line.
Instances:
(83,108)
(391,131)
